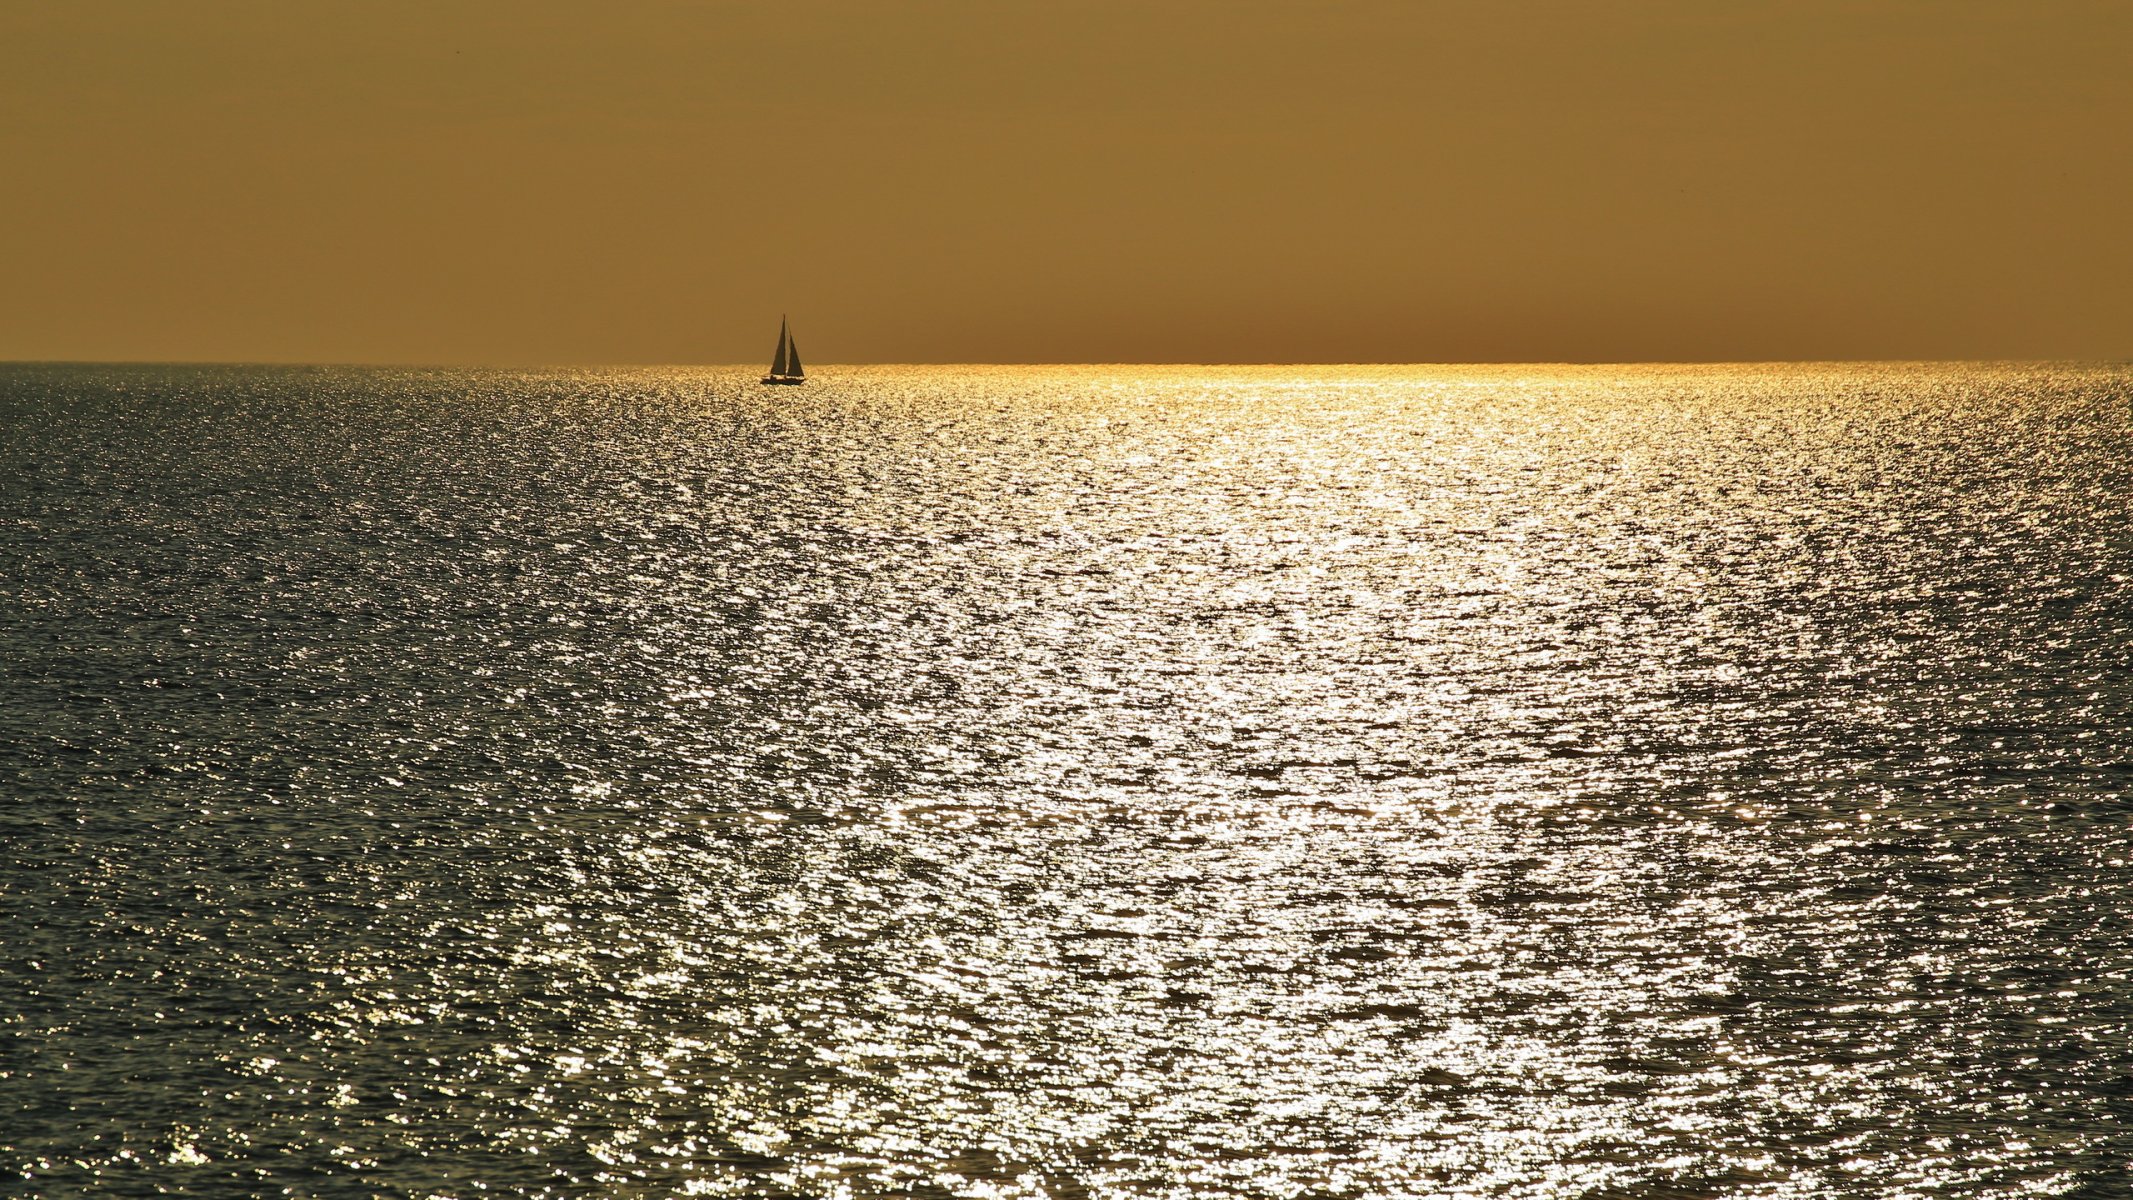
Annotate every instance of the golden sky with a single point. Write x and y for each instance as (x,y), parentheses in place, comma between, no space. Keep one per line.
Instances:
(539,181)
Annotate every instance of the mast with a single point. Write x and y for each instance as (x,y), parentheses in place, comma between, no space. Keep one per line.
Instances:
(777,365)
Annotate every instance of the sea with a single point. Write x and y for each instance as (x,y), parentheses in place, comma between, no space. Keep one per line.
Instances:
(1525,782)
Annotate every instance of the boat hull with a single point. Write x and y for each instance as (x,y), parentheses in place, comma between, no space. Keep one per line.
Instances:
(789,380)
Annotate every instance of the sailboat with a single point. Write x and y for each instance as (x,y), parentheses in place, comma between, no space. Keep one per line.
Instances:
(785,368)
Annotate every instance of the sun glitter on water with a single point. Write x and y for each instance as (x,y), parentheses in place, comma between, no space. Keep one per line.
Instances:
(1107,782)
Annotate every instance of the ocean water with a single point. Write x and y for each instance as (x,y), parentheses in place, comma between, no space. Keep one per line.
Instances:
(1099,782)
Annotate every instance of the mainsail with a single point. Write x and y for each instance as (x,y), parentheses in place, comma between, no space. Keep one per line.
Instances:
(777,365)
(792,358)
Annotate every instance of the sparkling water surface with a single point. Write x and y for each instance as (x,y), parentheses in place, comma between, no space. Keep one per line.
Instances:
(1302,782)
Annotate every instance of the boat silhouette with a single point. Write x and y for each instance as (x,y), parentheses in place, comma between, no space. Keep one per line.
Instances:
(785,368)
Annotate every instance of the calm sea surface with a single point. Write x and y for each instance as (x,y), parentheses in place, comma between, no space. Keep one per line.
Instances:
(1334,782)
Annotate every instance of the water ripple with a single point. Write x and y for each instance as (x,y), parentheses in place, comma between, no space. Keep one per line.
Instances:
(1567,782)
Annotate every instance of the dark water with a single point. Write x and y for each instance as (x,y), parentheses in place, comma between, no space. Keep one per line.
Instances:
(1291,783)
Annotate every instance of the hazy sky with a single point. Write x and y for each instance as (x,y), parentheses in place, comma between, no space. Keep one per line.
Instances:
(536,181)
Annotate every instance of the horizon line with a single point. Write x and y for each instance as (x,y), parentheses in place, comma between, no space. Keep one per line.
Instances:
(386,364)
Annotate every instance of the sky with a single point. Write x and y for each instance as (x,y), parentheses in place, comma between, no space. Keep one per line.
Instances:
(632,181)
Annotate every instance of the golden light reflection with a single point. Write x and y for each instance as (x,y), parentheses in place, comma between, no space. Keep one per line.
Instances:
(1097,782)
